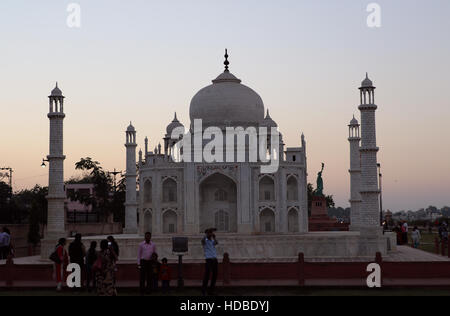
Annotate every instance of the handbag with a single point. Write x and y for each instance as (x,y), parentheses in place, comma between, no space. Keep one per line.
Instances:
(54,257)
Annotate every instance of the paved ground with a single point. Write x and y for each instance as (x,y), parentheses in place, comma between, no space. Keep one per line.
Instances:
(409,254)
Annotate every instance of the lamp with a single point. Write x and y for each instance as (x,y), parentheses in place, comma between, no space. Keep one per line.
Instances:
(43,165)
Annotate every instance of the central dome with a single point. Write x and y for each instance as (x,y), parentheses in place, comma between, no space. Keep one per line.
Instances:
(227,102)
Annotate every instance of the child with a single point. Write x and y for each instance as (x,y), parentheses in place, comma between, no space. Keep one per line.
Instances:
(164,275)
(154,272)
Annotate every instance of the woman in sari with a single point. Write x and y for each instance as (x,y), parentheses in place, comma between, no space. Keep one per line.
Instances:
(105,270)
(61,267)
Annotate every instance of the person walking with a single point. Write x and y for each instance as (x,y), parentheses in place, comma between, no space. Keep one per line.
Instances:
(416,236)
(104,268)
(209,243)
(5,243)
(91,258)
(405,233)
(77,252)
(60,264)
(145,252)
(115,245)
(443,232)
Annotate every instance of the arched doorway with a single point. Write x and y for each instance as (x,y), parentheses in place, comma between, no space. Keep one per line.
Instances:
(218,203)
(148,221)
(148,191)
(292,189)
(293,221)
(170,222)
(170,191)
(267,221)
(266,189)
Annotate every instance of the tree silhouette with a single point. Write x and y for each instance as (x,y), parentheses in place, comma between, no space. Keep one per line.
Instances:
(106,200)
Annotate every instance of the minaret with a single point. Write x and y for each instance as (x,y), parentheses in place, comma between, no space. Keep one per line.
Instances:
(369,211)
(56,194)
(130,178)
(355,173)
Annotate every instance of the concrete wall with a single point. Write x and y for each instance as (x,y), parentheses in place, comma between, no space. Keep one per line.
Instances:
(19,234)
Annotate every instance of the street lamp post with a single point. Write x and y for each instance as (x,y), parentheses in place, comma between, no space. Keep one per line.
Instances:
(115,173)
(380,176)
(43,165)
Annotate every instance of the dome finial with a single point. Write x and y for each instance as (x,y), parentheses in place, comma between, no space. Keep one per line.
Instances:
(226,63)
(354,121)
(56,92)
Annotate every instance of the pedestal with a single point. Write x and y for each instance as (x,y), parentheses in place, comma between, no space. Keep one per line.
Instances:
(319,220)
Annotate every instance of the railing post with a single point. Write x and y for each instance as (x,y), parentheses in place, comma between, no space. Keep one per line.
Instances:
(301,269)
(9,272)
(226,269)
(448,247)
(436,243)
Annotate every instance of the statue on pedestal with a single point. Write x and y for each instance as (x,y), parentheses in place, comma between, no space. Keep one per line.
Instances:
(319,190)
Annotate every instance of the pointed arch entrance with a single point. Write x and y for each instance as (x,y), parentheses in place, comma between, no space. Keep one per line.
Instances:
(218,203)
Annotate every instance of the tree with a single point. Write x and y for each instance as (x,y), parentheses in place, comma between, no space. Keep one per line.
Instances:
(117,203)
(37,214)
(5,210)
(329,198)
(106,200)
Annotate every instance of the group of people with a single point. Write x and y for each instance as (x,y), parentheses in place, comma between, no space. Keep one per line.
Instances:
(152,271)
(402,230)
(6,248)
(98,267)
(402,233)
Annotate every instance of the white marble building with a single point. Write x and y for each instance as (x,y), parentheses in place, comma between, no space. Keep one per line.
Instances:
(189,197)
(260,217)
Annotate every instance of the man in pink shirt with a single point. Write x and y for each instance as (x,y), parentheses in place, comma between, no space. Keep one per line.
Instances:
(146,249)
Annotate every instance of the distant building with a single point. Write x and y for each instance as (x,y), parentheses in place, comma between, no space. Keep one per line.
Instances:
(85,189)
(78,212)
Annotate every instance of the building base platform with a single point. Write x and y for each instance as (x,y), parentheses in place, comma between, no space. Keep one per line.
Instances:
(324,246)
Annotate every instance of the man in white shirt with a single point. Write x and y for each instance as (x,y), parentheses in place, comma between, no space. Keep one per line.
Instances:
(209,243)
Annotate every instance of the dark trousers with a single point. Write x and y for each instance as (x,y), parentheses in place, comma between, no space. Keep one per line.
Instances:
(154,281)
(405,238)
(4,252)
(165,284)
(146,276)
(90,277)
(211,266)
